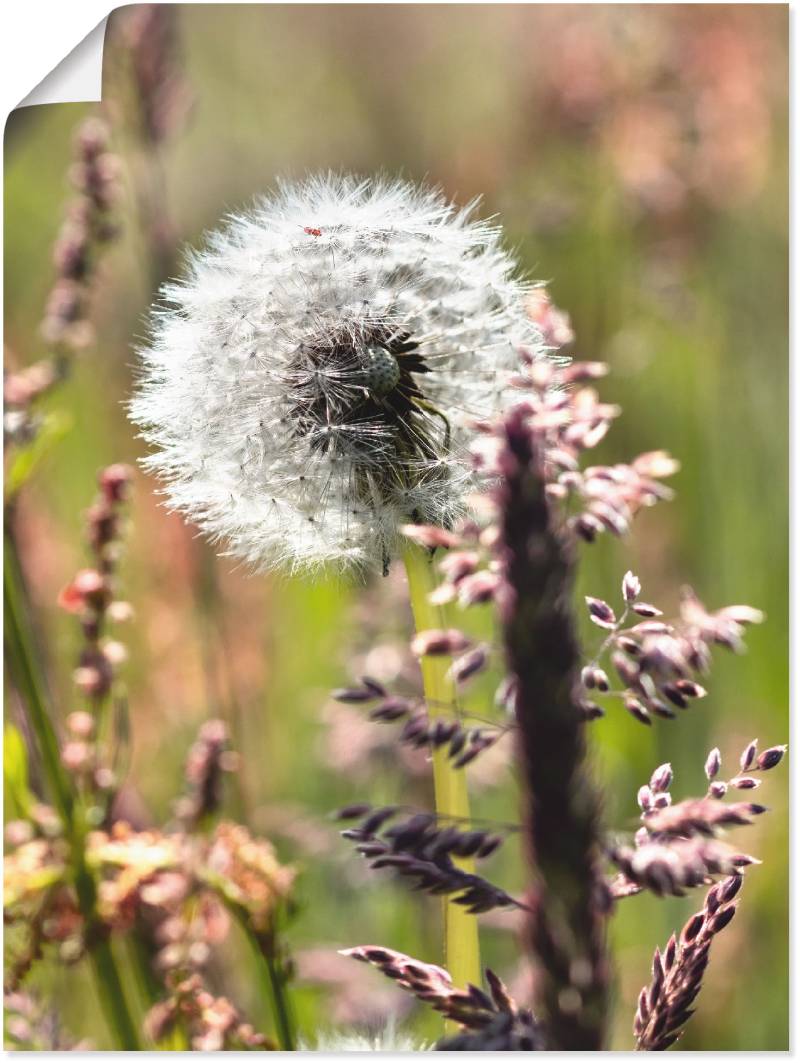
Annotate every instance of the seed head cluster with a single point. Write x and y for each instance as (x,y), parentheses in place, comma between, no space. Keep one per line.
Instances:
(308,386)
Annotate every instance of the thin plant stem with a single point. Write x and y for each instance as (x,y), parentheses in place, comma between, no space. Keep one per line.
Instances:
(26,674)
(112,996)
(21,659)
(461,948)
(273,979)
(281,1008)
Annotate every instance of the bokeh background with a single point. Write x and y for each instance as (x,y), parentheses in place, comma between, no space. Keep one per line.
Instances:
(637,156)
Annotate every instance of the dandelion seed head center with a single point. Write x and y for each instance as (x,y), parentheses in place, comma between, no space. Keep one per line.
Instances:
(365,402)
(382,373)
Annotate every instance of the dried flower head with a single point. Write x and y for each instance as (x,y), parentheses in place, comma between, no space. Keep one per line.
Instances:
(213,1023)
(308,387)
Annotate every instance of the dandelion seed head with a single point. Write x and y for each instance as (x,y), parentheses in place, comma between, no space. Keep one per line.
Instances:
(308,387)
(385,1040)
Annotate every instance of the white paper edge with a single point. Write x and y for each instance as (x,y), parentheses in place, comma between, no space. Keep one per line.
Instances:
(78,78)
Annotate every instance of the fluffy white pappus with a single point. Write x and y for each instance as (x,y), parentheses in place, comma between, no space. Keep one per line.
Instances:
(387,1040)
(308,386)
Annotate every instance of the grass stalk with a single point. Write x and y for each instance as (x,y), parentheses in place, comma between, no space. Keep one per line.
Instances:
(112,995)
(565,933)
(22,665)
(27,677)
(271,975)
(461,948)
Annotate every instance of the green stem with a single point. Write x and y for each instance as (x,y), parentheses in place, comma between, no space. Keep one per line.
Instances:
(21,660)
(280,1004)
(273,978)
(461,948)
(112,996)
(27,676)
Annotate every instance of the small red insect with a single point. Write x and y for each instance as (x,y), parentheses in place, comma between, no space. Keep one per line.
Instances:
(311,232)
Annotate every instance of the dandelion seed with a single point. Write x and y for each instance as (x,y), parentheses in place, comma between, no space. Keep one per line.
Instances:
(308,388)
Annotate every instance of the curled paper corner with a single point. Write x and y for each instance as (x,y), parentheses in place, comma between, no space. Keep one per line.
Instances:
(78,78)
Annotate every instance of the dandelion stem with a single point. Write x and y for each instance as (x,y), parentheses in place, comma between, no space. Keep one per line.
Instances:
(27,677)
(461,949)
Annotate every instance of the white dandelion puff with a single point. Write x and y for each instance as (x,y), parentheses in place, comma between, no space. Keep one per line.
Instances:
(386,1040)
(309,385)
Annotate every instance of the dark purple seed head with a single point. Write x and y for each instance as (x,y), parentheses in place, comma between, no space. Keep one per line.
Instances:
(591,710)
(770,757)
(637,710)
(693,928)
(661,779)
(647,610)
(631,587)
(491,844)
(457,744)
(625,669)
(469,664)
(600,612)
(660,708)
(713,763)
(442,731)
(352,812)
(670,952)
(629,646)
(371,849)
(690,689)
(391,709)
(721,919)
(643,1008)
(730,887)
(378,689)
(374,954)
(713,899)
(670,690)
(353,834)
(748,755)
(588,527)
(745,782)
(415,726)
(468,844)
(601,680)
(378,818)
(467,757)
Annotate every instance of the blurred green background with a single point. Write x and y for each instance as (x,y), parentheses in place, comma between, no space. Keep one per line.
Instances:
(637,156)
